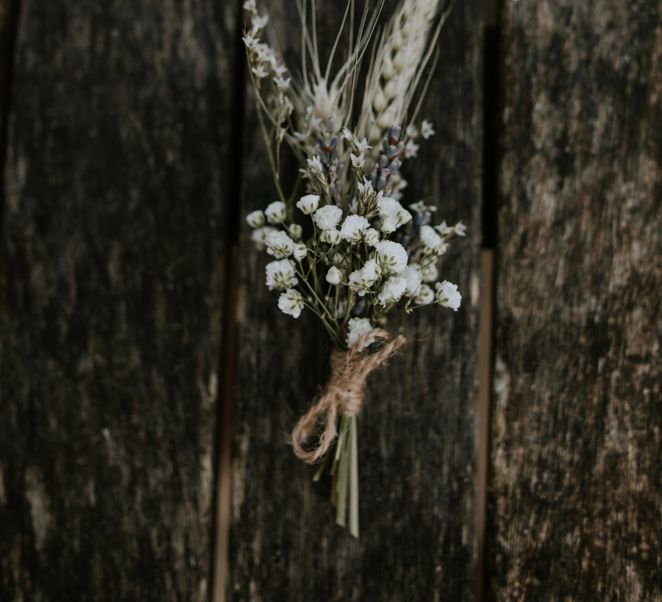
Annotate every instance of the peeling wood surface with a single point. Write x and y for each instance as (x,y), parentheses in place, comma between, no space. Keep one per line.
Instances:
(576,463)
(416,431)
(109,299)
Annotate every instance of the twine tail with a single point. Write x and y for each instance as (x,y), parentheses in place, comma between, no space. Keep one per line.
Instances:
(322,412)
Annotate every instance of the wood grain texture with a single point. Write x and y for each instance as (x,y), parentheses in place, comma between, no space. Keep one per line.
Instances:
(577,470)
(416,431)
(109,294)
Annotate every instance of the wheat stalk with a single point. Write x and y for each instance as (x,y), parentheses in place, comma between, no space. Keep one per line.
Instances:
(402,53)
(321,98)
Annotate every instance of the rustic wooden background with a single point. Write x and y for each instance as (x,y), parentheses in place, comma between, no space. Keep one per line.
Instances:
(147,381)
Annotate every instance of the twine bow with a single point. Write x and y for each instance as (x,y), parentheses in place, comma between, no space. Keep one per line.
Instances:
(344,393)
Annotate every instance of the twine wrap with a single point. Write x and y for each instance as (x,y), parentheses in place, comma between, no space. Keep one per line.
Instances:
(344,393)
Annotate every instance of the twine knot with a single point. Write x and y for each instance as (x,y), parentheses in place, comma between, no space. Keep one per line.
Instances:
(344,393)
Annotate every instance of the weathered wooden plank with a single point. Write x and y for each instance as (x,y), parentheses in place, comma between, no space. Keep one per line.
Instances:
(111,279)
(417,428)
(577,471)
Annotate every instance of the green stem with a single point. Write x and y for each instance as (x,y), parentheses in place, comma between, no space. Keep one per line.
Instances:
(313,292)
(350,304)
(342,484)
(335,308)
(295,190)
(353,478)
(272,163)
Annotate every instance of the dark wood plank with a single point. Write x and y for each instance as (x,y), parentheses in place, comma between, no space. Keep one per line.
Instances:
(416,432)
(111,280)
(8,11)
(577,470)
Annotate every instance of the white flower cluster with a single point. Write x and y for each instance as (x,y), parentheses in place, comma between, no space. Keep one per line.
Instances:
(348,250)
(349,268)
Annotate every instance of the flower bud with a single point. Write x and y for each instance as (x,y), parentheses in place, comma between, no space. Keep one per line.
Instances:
(334,275)
(276,212)
(295,231)
(308,204)
(255,219)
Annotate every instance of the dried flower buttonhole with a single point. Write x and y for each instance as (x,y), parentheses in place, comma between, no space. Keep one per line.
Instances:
(347,247)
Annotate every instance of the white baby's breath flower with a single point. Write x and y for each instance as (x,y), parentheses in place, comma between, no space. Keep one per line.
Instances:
(411,131)
(250,41)
(413,279)
(279,68)
(300,250)
(354,228)
(427,129)
(258,22)
(444,229)
(291,303)
(432,241)
(421,207)
(460,229)
(392,256)
(331,237)
(423,212)
(425,295)
(411,149)
(365,188)
(358,161)
(279,244)
(263,51)
(276,212)
(259,72)
(295,231)
(392,290)
(327,217)
(429,272)
(309,203)
(371,237)
(392,214)
(281,274)
(255,219)
(259,235)
(334,275)
(356,328)
(249,5)
(361,281)
(448,295)
(282,83)
(362,145)
(315,168)
(388,206)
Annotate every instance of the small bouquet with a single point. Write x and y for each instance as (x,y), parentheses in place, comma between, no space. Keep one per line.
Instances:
(344,247)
